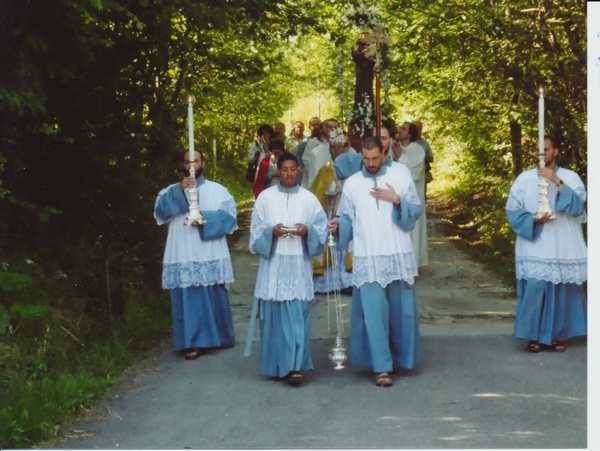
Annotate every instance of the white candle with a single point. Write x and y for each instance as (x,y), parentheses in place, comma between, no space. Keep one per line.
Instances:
(190,119)
(541,121)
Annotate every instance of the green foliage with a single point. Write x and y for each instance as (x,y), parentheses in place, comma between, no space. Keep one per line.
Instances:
(55,361)
(13,281)
(92,126)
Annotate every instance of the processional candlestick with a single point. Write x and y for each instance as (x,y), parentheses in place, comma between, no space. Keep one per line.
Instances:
(543,185)
(193,218)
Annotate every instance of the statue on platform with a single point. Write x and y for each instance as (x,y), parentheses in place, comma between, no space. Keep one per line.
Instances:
(363,109)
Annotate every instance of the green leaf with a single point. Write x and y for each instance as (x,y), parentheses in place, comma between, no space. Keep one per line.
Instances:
(30,311)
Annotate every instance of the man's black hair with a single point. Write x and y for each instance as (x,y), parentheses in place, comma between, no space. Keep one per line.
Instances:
(413,132)
(371,142)
(277,143)
(265,128)
(286,156)
(552,139)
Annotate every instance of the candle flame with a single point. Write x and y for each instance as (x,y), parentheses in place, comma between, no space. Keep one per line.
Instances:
(541,90)
(190,99)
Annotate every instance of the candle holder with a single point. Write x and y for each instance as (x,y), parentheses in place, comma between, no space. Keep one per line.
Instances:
(193,218)
(543,184)
(543,188)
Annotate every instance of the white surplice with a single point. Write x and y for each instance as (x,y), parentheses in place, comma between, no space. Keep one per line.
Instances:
(413,157)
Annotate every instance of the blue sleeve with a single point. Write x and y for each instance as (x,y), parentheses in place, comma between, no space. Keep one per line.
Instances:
(569,203)
(218,224)
(317,235)
(406,214)
(339,173)
(523,223)
(347,164)
(169,203)
(344,231)
(263,244)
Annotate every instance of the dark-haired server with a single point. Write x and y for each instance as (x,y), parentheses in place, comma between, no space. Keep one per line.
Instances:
(551,255)
(288,227)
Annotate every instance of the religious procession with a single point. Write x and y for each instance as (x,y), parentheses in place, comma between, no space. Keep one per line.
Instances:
(289,224)
(344,210)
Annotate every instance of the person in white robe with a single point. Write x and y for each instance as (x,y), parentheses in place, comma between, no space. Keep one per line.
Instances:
(378,208)
(296,137)
(327,278)
(197,264)
(550,255)
(314,126)
(413,156)
(316,154)
(284,284)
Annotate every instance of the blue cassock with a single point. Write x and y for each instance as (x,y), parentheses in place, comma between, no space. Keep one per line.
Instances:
(197,266)
(284,288)
(384,317)
(548,311)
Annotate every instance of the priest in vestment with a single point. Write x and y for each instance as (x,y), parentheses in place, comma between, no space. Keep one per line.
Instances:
(550,255)
(378,209)
(316,153)
(326,278)
(284,285)
(413,156)
(197,264)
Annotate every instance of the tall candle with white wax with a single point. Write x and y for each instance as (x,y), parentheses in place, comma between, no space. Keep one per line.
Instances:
(541,121)
(190,119)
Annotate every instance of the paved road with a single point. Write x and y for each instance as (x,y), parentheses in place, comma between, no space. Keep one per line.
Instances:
(476,388)
(471,392)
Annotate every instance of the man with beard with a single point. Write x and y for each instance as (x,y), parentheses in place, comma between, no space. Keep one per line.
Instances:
(288,227)
(196,262)
(551,255)
(378,208)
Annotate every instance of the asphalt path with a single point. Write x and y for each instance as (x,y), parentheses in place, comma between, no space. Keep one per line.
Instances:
(476,387)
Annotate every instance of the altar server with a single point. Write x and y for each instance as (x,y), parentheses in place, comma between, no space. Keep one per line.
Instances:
(379,207)
(550,255)
(196,263)
(288,227)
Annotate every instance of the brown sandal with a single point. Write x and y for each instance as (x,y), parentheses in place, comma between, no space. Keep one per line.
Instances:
(295,378)
(557,346)
(534,346)
(192,354)
(383,380)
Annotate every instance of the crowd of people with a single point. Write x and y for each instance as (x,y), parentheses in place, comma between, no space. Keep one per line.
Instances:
(370,193)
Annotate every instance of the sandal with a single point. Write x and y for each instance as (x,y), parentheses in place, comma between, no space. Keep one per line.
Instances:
(557,346)
(534,346)
(295,378)
(383,380)
(192,354)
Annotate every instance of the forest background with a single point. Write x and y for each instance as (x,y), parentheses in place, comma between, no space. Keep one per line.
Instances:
(92,126)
